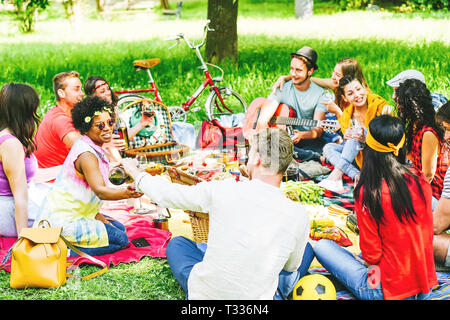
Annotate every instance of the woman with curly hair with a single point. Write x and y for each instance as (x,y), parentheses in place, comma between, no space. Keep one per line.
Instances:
(424,137)
(76,196)
(18,165)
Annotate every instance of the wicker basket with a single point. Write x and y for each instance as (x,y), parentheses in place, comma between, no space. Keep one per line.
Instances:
(199,220)
(166,154)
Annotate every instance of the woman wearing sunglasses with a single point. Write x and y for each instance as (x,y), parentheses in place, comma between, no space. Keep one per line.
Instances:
(76,196)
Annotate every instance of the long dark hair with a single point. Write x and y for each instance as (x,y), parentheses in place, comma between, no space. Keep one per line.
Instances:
(384,166)
(89,88)
(18,112)
(415,107)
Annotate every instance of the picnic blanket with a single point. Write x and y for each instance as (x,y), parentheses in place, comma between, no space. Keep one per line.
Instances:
(345,198)
(137,226)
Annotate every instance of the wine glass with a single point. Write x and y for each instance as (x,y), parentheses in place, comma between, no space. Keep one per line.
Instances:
(139,209)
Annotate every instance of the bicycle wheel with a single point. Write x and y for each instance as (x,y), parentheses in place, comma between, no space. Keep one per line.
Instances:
(127,98)
(177,114)
(233,101)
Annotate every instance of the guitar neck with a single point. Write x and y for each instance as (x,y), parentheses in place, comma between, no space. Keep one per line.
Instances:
(294,121)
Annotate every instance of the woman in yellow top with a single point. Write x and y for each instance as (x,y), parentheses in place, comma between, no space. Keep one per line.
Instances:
(362,107)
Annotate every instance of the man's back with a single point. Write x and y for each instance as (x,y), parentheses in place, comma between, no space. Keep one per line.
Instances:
(51,150)
(254,233)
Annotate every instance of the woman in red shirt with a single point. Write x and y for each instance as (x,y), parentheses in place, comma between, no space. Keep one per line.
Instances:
(393,209)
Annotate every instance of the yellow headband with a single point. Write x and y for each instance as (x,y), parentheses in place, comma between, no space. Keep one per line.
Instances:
(375,145)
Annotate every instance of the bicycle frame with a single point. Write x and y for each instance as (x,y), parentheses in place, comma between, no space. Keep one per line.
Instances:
(153,89)
(208,81)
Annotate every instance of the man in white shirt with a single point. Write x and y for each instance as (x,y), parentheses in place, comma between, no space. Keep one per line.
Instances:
(258,238)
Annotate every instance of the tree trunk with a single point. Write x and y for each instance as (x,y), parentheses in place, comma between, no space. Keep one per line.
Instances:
(100,5)
(222,43)
(304,8)
(165,4)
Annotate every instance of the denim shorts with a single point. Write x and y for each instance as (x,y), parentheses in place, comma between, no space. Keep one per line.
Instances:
(7,219)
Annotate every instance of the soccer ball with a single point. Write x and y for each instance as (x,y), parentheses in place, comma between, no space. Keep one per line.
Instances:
(314,287)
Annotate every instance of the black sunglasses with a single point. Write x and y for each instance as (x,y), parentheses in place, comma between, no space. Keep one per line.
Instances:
(101,125)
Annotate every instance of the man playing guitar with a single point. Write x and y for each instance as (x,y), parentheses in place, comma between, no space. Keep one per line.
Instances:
(304,97)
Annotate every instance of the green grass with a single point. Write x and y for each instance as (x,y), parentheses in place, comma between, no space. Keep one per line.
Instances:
(261,60)
(148,279)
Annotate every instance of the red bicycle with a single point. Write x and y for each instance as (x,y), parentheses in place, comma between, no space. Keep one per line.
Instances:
(221,100)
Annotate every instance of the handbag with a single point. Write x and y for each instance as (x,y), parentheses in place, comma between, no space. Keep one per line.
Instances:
(213,135)
(39,259)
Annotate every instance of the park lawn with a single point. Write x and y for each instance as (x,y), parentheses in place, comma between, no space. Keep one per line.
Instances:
(261,60)
(263,56)
(148,279)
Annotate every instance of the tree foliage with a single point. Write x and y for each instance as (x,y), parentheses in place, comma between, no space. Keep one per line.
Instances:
(414,4)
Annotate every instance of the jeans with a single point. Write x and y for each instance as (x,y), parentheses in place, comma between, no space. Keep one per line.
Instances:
(7,215)
(182,254)
(341,156)
(434,202)
(117,240)
(330,136)
(353,274)
(309,149)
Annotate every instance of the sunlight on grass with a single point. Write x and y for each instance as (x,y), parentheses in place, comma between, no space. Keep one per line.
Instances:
(383,43)
(346,25)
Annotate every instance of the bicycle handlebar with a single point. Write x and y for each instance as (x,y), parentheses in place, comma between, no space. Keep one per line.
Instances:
(180,36)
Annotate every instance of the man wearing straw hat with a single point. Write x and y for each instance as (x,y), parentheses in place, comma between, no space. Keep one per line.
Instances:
(258,238)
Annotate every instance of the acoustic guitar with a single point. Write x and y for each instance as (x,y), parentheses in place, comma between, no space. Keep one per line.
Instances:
(284,116)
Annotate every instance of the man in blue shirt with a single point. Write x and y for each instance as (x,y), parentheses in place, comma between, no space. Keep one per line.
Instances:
(304,97)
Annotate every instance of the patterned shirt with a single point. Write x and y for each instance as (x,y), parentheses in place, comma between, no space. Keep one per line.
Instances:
(71,203)
(438,100)
(416,156)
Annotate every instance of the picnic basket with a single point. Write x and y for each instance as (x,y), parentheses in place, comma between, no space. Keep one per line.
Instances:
(155,141)
(199,220)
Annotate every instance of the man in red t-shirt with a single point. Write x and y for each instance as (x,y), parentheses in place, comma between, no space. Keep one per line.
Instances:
(56,134)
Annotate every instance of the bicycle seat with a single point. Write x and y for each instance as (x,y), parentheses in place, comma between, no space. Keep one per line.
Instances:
(146,64)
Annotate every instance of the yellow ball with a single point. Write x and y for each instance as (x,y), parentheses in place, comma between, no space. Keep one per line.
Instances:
(314,287)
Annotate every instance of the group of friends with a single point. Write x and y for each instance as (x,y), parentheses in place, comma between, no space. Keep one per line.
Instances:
(258,244)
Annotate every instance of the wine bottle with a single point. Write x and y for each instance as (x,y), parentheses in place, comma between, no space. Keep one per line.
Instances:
(120,128)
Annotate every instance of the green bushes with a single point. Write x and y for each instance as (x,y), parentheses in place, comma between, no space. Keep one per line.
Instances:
(404,5)
(429,4)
